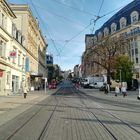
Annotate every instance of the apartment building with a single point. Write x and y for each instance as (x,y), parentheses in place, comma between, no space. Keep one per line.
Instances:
(12,53)
(124,24)
(35,43)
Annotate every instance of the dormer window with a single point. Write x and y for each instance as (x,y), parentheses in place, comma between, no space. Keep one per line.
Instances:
(122,23)
(106,31)
(134,17)
(113,27)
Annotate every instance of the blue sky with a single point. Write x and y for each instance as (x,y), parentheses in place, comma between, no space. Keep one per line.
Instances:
(62,20)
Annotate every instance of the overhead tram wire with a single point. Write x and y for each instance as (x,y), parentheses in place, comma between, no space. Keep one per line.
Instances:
(98,17)
(75,36)
(65,18)
(45,28)
(100,8)
(85,12)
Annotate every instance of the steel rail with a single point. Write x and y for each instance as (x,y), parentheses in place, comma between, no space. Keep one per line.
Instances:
(25,123)
(110,113)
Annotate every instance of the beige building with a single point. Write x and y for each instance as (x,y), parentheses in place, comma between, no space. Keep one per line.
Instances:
(35,45)
(12,53)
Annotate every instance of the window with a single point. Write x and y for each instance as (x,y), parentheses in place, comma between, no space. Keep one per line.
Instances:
(14,30)
(134,51)
(113,27)
(122,23)
(2,48)
(3,20)
(134,17)
(106,31)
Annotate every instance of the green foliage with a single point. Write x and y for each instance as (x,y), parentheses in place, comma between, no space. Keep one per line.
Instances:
(123,67)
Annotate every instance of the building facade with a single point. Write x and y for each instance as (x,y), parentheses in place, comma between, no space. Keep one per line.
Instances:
(124,24)
(12,53)
(50,68)
(35,44)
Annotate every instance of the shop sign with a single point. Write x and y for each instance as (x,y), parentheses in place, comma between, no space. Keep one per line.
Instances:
(1,73)
(13,54)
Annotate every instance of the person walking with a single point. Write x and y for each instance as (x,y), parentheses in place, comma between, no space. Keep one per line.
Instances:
(105,88)
(25,92)
(117,90)
(123,90)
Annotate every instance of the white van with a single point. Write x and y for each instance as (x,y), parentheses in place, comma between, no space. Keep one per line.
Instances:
(87,81)
(96,85)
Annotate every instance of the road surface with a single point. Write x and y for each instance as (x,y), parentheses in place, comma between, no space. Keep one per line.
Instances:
(76,114)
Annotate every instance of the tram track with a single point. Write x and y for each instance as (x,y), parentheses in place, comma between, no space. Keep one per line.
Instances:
(32,117)
(81,94)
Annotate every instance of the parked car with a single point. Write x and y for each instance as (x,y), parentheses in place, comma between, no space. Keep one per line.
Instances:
(53,85)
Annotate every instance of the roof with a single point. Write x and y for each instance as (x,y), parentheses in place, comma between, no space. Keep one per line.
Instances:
(124,12)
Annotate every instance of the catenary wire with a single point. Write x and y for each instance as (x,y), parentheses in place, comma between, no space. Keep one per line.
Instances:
(66,5)
(53,42)
(60,16)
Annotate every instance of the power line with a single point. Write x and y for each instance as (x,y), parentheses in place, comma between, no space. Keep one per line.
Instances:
(60,40)
(100,7)
(60,16)
(98,17)
(85,12)
(46,29)
(75,36)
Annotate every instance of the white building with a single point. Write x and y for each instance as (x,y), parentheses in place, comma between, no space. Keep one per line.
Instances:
(12,53)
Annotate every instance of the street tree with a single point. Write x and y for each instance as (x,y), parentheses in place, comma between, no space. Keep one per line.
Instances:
(123,66)
(105,51)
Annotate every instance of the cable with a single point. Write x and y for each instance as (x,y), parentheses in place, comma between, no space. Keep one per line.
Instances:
(85,12)
(75,36)
(59,40)
(45,27)
(98,17)
(67,19)
(100,8)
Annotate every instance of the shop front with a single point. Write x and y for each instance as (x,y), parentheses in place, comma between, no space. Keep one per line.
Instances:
(36,81)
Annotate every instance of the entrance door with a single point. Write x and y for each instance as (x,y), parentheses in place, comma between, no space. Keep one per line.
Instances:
(15,84)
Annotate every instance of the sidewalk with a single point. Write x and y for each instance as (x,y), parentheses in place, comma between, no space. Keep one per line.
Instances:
(12,105)
(131,95)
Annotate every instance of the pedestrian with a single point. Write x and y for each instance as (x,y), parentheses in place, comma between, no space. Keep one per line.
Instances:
(106,88)
(25,91)
(117,90)
(123,90)
(77,85)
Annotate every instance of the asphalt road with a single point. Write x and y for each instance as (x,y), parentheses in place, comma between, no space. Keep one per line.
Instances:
(71,114)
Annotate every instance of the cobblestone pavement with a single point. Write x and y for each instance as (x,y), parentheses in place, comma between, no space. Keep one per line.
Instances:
(71,114)
(12,105)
